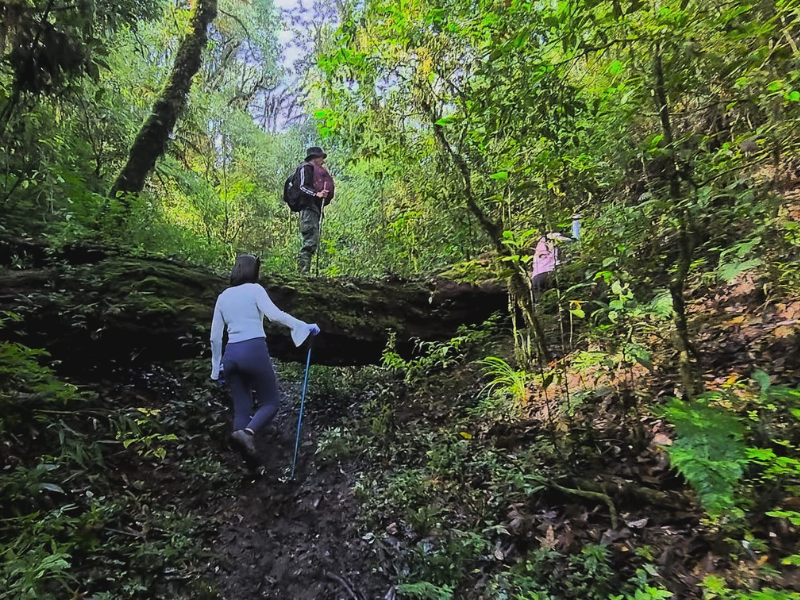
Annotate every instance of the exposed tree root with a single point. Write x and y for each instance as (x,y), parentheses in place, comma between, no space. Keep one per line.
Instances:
(596,496)
(627,490)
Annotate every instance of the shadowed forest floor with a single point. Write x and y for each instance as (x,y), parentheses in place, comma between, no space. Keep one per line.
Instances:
(264,536)
(414,480)
(293,539)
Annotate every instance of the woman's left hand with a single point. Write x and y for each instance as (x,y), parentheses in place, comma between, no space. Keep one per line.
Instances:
(313,329)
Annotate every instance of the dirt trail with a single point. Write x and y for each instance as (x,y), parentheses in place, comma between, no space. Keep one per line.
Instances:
(262,536)
(293,539)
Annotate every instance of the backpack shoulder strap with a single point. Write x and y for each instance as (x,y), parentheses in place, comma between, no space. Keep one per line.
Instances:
(299,168)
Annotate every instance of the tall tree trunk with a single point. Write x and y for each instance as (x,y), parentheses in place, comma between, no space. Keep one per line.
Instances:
(687,356)
(151,141)
(16,94)
(519,285)
(691,381)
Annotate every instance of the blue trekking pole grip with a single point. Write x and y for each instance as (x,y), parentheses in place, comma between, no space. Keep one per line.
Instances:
(302,405)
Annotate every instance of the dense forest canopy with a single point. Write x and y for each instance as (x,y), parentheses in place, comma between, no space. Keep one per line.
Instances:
(452,123)
(459,133)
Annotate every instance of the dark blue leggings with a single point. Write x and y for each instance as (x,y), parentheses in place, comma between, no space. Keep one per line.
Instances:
(248,367)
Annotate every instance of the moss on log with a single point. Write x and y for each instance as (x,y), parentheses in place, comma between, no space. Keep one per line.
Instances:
(126,308)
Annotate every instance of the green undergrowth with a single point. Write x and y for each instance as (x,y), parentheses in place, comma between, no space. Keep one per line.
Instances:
(468,489)
(738,449)
(450,506)
(83,511)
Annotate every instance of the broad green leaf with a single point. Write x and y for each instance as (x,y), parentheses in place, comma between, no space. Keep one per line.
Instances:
(446,121)
(616,67)
(792,516)
(729,271)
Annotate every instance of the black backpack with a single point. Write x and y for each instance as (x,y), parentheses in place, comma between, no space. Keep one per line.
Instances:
(291,191)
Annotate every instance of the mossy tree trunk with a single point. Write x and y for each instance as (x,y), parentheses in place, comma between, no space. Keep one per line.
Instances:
(87,305)
(519,285)
(691,379)
(151,141)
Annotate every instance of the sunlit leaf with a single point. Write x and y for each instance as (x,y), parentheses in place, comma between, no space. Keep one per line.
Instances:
(51,487)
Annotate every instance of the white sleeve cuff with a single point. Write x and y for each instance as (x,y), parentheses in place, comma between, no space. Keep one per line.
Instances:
(300,333)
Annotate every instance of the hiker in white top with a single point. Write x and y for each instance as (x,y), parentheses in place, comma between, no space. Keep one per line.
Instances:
(246,363)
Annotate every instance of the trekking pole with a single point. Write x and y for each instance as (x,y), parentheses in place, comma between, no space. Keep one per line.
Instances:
(302,405)
(319,240)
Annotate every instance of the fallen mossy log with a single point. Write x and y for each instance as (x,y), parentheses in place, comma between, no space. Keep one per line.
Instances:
(20,252)
(126,308)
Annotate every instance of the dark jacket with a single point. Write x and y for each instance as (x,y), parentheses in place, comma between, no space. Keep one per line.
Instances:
(314,179)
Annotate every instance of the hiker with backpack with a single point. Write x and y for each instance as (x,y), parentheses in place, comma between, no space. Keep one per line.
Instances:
(307,191)
(241,309)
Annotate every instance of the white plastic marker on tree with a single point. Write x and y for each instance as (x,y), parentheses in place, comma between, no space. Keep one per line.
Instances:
(576,226)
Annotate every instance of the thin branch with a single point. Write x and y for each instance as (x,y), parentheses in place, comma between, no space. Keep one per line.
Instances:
(344,584)
(238,20)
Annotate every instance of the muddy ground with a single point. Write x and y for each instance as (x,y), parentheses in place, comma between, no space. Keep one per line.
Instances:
(264,535)
(281,538)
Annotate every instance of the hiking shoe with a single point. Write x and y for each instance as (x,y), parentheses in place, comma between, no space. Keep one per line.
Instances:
(244,441)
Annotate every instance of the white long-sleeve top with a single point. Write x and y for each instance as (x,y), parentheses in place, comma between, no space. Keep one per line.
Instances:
(242,310)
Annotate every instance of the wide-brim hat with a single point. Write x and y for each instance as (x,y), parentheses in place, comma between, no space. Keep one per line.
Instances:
(314,152)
